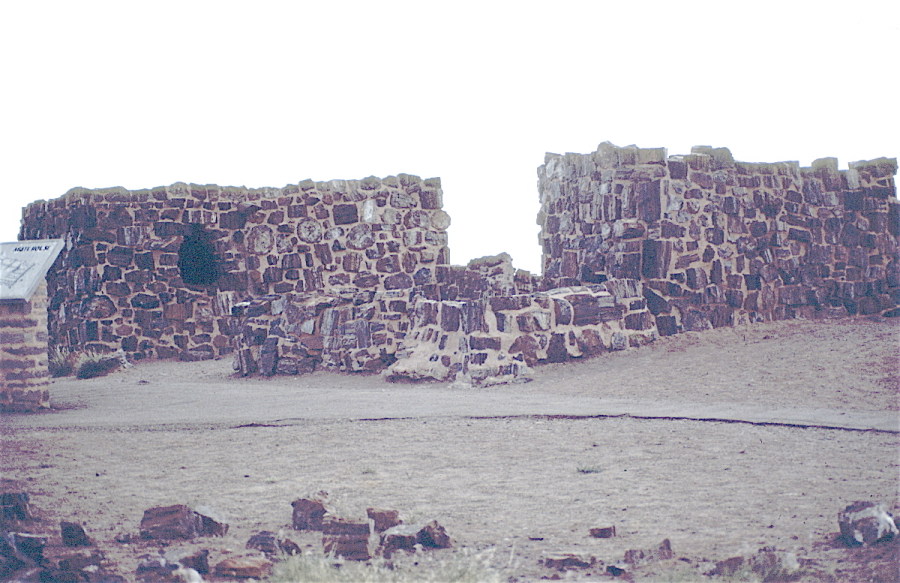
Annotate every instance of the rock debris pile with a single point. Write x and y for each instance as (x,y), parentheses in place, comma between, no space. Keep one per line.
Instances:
(30,551)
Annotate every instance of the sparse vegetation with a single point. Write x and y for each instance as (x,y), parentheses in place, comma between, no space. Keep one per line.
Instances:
(60,361)
(588,469)
(90,364)
(457,567)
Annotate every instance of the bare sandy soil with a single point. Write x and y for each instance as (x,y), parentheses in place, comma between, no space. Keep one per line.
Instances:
(525,484)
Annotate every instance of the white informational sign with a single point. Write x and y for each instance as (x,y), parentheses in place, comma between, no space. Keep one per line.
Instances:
(23,264)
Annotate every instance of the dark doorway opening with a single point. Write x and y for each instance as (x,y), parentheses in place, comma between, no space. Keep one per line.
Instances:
(196,258)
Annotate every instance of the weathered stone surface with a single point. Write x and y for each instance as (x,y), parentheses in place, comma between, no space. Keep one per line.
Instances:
(20,549)
(865,523)
(244,567)
(407,536)
(433,535)
(383,519)
(269,544)
(641,557)
(198,561)
(719,220)
(178,522)
(339,526)
(309,231)
(73,535)
(145,301)
(603,532)
(360,237)
(307,514)
(346,539)
(345,214)
(156,569)
(14,506)
(566,561)
(401,537)
(767,564)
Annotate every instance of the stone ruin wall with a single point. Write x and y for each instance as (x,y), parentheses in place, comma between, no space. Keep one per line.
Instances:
(483,338)
(355,275)
(23,353)
(121,280)
(718,242)
(497,339)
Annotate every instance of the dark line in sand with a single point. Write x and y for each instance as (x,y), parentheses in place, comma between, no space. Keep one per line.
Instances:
(709,419)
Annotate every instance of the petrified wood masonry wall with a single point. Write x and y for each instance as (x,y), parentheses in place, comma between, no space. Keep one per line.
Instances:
(157,272)
(496,339)
(718,242)
(482,339)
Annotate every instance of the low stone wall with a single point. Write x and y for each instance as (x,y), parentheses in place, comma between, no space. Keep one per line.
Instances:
(23,353)
(299,333)
(483,341)
(496,339)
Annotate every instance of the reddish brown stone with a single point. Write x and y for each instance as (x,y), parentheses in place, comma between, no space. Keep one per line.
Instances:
(244,567)
(564,561)
(178,522)
(640,557)
(603,532)
(384,519)
(345,527)
(308,514)
(526,345)
(402,537)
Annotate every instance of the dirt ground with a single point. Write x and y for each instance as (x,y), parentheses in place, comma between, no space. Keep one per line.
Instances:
(525,485)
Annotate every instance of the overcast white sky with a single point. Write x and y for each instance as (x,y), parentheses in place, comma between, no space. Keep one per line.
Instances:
(99,94)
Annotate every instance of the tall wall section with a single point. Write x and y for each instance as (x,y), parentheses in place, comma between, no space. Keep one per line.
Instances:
(718,242)
(157,272)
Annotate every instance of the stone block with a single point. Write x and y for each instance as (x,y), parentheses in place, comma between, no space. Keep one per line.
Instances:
(638,321)
(401,537)
(667,325)
(244,567)
(178,522)
(432,535)
(648,203)
(14,506)
(677,170)
(145,301)
(307,514)
(269,544)
(641,557)
(345,214)
(338,526)
(655,258)
(566,561)
(484,343)
(346,539)
(73,535)
(603,532)
(383,519)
